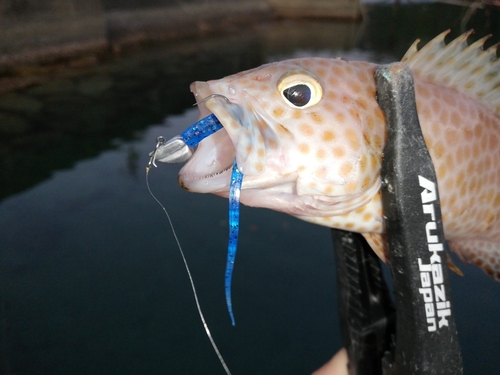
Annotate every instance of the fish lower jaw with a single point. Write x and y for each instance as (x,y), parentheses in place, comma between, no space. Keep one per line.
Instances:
(211,175)
(210,183)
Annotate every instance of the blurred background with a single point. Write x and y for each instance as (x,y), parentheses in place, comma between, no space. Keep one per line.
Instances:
(91,280)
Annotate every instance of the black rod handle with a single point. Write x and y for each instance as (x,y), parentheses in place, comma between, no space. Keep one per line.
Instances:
(366,312)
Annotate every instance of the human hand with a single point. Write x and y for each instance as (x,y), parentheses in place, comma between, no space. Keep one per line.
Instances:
(335,366)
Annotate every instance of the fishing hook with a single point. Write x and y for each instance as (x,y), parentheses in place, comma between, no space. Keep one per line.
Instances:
(211,97)
(160,141)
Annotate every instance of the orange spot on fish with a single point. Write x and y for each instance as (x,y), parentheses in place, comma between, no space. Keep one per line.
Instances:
(320,172)
(367,217)
(345,169)
(329,107)
(370,122)
(362,104)
(338,152)
(262,77)
(360,210)
(423,91)
(306,129)
(354,86)
(362,76)
(278,112)
(441,172)
(304,148)
(438,149)
(351,186)
(355,114)
(333,81)
(451,135)
(352,139)
(340,117)
(328,136)
(331,96)
(337,71)
(436,106)
(316,117)
(366,182)
(363,162)
(379,114)
(460,178)
(321,154)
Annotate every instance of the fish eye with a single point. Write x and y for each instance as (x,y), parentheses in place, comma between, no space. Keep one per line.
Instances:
(299,95)
(300,89)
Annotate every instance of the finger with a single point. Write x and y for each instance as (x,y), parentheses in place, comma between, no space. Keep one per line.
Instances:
(336,366)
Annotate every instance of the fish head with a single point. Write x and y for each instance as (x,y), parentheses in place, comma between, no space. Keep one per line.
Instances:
(303,133)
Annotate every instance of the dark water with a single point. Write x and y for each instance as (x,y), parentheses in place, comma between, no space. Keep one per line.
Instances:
(91,280)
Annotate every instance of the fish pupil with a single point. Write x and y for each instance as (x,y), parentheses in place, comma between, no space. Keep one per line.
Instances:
(298,95)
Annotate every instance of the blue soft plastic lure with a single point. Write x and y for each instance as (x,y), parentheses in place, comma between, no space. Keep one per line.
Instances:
(201,129)
(192,136)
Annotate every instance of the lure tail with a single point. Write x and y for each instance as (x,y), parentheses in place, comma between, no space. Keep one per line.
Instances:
(234,225)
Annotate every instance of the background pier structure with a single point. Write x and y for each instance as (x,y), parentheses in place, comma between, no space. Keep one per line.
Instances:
(36,31)
(347,9)
(32,31)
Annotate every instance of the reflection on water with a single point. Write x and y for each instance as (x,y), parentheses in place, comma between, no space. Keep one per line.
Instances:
(91,280)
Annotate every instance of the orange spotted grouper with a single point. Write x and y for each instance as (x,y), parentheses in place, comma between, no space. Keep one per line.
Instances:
(308,135)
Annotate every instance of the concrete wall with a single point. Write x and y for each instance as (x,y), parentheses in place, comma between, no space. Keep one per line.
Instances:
(169,18)
(32,30)
(45,30)
(349,9)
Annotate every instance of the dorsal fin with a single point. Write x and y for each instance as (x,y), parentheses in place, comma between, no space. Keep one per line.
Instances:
(466,68)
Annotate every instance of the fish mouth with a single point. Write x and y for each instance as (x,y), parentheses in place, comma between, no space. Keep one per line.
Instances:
(210,167)
(208,170)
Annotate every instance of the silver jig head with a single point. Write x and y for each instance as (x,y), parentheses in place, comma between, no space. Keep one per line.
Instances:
(180,148)
(173,151)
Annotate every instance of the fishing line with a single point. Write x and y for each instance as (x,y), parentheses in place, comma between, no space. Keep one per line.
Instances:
(195,294)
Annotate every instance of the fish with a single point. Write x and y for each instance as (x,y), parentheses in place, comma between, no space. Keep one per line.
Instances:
(308,135)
